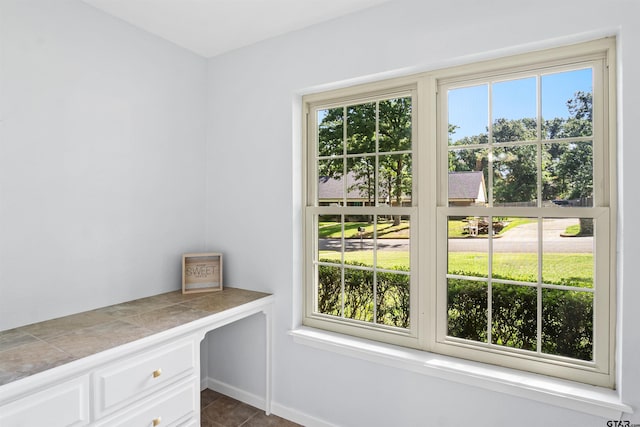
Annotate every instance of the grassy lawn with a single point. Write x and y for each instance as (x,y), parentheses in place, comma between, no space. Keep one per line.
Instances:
(566,269)
(457,227)
(386,230)
(386,259)
(572,230)
(514,222)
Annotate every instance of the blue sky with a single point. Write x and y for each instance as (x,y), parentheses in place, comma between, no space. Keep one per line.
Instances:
(515,99)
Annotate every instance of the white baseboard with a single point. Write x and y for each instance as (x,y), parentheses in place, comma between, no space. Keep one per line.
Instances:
(234,392)
(258,402)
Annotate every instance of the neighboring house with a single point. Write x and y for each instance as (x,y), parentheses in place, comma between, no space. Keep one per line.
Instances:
(465,189)
(331,190)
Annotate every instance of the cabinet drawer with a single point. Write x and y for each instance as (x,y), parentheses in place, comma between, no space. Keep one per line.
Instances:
(123,382)
(164,409)
(65,404)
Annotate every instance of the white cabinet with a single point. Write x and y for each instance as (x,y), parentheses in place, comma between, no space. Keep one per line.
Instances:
(156,386)
(172,407)
(154,380)
(65,404)
(122,382)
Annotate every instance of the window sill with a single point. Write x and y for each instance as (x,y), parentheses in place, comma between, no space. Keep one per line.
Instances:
(592,400)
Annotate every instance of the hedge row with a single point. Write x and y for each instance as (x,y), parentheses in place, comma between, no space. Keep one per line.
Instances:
(567,316)
(392,295)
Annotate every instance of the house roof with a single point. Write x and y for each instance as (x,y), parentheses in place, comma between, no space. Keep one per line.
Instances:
(465,185)
(332,188)
(462,185)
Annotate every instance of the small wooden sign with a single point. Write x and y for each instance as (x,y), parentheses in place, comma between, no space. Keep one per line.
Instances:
(201,272)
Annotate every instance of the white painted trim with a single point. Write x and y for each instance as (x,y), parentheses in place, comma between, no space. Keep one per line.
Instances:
(588,399)
(234,392)
(268,393)
(258,402)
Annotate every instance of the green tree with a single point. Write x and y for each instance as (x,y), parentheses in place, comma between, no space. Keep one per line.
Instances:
(567,168)
(331,143)
(395,136)
(575,164)
(581,106)
(468,159)
(515,168)
(364,131)
(514,130)
(577,161)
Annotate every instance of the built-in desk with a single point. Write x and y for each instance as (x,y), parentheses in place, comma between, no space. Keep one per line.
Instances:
(130,364)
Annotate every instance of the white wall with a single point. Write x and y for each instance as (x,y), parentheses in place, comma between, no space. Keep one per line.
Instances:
(102,142)
(253,211)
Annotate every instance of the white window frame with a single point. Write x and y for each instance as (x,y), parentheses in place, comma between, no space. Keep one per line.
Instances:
(351,96)
(430,209)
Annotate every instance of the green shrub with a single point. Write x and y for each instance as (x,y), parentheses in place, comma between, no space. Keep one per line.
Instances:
(567,316)
(467,307)
(391,300)
(567,323)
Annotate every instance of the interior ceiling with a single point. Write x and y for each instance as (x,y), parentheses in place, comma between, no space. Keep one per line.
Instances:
(212,27)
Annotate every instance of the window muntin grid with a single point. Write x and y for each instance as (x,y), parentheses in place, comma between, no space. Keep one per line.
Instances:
(528,155)
(363,210)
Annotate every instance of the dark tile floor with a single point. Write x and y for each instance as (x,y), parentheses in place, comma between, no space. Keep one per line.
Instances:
(218,410)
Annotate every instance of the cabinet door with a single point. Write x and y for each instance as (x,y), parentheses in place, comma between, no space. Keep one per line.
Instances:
(174,407)
(123,382)
(63,405)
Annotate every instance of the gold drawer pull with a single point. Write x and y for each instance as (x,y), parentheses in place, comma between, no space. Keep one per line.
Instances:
(156,374)
(156,421)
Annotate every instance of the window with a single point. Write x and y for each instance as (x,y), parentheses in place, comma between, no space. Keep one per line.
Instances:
(362,213)
(470,212)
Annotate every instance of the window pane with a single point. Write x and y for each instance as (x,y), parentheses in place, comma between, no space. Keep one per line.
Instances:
(361,128)
(515,252)
(395,125)
(468,172)
(393,242)
(567,103)
(330,238)
(358,294)
(567,178)
(330,132)
(568,252)
(395,180)
(361,181)
(392,299)
(468,115)
(329,290)
(468,246)
(467,309)
(515,176)
(567,323)
(514,110)
(358,233)
(330,183)
(514,316)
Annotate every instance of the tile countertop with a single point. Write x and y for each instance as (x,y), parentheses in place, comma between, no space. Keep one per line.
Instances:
(40,346)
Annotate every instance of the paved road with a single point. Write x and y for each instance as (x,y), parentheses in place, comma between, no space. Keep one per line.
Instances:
(523,238)
(364,244)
